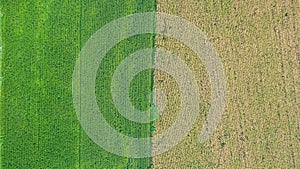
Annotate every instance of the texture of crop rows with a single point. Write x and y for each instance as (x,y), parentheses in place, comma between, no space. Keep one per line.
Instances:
(258,43)
(42,42)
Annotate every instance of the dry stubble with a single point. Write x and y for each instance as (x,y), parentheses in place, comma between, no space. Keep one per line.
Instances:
(258,43)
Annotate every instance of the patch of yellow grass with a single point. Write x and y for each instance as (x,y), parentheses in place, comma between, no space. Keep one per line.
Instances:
(258,42)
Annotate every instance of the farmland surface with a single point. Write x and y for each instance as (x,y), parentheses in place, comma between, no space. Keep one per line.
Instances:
(258,43)
(42,42)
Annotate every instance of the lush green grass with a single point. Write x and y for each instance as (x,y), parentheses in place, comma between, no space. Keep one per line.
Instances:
(42,42)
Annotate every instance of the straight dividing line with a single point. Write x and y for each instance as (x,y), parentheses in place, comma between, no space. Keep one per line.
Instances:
(1,112)
(152,82)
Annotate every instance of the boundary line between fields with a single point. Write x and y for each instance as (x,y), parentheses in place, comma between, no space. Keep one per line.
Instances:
(1,113)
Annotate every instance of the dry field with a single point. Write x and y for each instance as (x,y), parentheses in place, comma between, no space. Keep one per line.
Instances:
(258,43)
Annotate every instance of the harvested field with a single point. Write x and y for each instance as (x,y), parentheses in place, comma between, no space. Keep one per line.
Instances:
(258,43)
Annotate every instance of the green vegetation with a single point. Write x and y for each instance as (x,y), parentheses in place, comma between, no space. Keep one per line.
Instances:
(42,42)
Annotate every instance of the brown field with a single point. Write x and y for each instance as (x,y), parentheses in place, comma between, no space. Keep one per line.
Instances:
(258,43)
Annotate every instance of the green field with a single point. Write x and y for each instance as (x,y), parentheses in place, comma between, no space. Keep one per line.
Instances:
(42,40)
